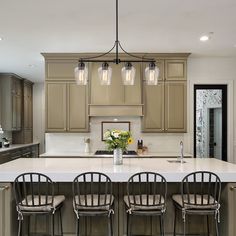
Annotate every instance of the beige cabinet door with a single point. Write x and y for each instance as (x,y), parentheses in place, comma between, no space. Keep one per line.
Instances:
(153,120)
(55,107)
(6,227)
(107,95)
(77,108)
(176,69)
(175,107)
(28,124)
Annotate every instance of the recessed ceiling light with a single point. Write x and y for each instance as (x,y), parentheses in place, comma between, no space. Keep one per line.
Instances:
(1,39)
(204,38)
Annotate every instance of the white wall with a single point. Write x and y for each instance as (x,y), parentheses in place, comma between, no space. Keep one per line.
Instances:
(200,70)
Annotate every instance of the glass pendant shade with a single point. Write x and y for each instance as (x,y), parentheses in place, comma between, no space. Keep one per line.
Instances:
(81,74)
(105,73)
(152,74)
(128,74)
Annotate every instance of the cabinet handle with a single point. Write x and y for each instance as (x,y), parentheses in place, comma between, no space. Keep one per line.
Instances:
(232,188)
(2,188)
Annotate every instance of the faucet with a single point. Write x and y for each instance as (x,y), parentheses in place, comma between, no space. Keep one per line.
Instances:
(181,152)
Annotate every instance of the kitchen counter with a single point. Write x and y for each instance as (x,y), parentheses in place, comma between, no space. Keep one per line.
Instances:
(65,169)
(16,146)
(78,154)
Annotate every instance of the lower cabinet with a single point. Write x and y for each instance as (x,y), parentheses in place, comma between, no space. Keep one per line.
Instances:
(66,107)
(165,107)
(24,152)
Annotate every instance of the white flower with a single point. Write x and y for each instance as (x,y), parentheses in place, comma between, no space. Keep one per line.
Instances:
(116,135)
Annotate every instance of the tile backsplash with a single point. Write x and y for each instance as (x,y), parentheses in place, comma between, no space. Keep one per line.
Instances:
(74,142)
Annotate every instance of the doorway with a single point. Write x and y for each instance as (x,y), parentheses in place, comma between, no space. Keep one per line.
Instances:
(210,121)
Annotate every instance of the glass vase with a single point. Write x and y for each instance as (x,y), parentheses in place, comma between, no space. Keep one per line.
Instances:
(117,156)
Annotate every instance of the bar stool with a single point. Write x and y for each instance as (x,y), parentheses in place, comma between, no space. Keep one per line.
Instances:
(34,195)
(200,195)
(92,196)
(146,196)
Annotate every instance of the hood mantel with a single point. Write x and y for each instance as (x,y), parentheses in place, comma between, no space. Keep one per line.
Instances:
(116,110)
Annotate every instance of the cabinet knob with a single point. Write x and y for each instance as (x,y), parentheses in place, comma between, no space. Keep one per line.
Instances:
(232,188)
(4,188)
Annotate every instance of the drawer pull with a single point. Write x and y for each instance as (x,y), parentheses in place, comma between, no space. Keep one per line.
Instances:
(2,188)
(232,188)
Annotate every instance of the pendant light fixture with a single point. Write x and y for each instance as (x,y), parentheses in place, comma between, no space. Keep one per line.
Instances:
(127,72)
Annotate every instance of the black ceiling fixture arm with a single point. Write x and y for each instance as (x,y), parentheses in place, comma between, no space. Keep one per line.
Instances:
(116,46)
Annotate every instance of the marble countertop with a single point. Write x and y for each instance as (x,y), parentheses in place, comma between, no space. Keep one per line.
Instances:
(17,146)
(82,154)
(66,169)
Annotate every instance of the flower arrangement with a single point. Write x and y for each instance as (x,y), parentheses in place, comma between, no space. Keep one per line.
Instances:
(117,139)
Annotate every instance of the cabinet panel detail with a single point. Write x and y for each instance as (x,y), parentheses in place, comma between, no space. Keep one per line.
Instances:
(153,120)
(77,108)
(56,106)
(175,107)
(175,69)
(60,70)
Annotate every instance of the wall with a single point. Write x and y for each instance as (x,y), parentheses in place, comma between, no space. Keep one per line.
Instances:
(200,70)
(38,114)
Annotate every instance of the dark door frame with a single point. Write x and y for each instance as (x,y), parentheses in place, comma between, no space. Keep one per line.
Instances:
(222,87)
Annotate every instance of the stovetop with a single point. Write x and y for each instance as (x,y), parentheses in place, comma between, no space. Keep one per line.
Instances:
(105,152)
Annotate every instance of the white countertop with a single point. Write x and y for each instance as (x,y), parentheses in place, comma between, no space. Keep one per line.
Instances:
(82,154)
(66,169)
(16,146)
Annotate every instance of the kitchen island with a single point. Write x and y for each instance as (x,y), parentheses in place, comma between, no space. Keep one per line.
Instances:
(63,171)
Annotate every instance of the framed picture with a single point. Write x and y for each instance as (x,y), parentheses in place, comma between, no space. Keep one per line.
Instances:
(109,125)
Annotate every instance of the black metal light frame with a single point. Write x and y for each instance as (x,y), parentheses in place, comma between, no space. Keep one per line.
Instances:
(117,45)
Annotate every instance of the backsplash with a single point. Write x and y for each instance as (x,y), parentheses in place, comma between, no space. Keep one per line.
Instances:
(74,142)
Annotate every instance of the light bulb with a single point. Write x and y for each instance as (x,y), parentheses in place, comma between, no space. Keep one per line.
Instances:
(128,74)
(152,74)
(81,74)
(105,73)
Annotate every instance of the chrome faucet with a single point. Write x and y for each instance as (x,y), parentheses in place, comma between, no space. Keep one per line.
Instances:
(181,152)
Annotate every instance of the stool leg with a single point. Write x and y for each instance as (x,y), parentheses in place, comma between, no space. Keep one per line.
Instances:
(208,228)
(52,221)
(175,222)
(77,227)
(184,221)
(19,227)
(216,223)
(61,222)
(161,226)
(127,224)
(28,228)
(111,225)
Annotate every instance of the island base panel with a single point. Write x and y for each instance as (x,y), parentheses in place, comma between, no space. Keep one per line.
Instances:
(98,225)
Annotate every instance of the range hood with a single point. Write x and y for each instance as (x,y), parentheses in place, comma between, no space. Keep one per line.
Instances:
(116,110)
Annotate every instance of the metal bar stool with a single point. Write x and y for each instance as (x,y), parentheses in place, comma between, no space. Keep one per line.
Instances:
(200,195)
(92,196)
(34,195)
(146,196)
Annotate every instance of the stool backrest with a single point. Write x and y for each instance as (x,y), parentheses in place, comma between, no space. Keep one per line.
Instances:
(33,190)
(147,189)
(92,189)
(201,188)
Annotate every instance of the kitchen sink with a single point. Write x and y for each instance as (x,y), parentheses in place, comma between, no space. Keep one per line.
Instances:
(176,161)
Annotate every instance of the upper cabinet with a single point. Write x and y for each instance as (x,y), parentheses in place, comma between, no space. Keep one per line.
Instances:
(165,105)
(11,102)
(175,69)
(25,135)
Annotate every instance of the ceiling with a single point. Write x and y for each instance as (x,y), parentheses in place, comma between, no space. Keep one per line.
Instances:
(29,27)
